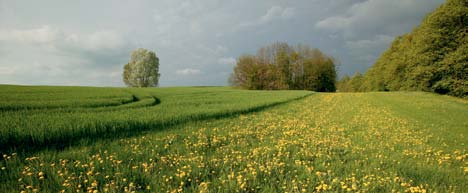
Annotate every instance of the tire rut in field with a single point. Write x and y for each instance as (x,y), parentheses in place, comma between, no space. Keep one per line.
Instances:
(29,146)
(135,102)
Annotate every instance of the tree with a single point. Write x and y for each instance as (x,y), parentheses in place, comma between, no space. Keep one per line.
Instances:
(280,66)
(142,70)
(430,58)
(245,73)
(343,85)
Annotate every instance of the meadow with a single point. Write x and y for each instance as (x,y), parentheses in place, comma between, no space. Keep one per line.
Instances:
(218,139)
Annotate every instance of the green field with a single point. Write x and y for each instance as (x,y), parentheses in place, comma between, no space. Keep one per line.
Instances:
(38,117)
(219,139)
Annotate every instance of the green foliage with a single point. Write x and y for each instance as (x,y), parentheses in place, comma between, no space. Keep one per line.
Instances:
(34,117)
(343,85)
(354,84)
(142,70)
(433,57)
(280,66)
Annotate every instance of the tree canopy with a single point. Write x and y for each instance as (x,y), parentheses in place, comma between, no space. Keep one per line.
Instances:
(281,66)
(351,84)
(433,57)
(142,70)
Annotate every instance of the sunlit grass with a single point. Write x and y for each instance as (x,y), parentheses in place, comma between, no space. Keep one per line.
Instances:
(353,142)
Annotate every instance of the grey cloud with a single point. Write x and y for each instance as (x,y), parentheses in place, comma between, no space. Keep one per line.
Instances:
(366,28)
(378,17)
(62,42)
(55,56)
(367,51)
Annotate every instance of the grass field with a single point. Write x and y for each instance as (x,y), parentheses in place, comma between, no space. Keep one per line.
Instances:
(226,140)
(39,117)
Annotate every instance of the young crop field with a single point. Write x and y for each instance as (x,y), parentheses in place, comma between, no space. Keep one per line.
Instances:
(32,118)
(218,139)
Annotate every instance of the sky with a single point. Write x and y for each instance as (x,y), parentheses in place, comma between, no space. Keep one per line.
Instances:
(87,42)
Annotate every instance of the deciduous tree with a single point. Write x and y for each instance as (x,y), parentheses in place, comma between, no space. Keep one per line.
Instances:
(142,70)
(280,66)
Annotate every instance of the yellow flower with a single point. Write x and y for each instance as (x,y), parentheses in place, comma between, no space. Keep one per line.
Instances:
(204,187)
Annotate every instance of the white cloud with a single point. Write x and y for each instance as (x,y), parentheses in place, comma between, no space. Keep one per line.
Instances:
(51,36)
(195,27)
(364,13)
(227,61)
(42,35)
(277,12)
(288,12)
(188,71)
(58,57)
(96,41)
(180,18)
(378,41)
(7,70)
(334,23)
(212,50)
(221,49)
(272,14)
(104,40)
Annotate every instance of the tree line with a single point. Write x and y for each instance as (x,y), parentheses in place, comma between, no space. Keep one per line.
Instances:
(433,57)
(281,66)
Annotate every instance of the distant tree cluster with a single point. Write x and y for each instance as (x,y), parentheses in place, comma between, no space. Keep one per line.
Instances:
(433,57)
(351,84)
(281,66)
(142,70)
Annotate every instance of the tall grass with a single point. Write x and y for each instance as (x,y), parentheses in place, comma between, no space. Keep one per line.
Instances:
(37,117)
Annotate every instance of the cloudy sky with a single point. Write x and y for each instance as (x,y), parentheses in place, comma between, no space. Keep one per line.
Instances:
(87,42)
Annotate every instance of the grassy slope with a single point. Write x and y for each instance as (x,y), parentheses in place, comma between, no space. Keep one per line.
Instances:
(368,142)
